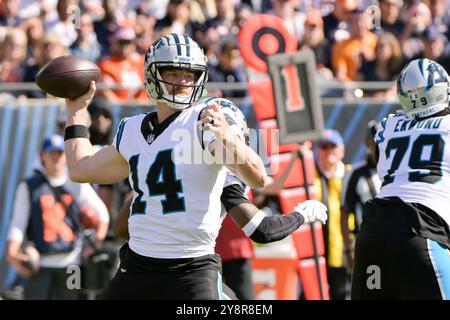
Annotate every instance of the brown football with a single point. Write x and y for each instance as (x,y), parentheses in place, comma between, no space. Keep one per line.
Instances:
(67,76)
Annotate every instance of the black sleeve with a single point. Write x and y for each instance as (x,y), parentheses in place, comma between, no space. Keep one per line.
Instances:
(277,227)
(233,195)
(351,196)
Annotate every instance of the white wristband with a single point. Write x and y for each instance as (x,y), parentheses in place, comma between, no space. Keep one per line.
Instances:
(254,222)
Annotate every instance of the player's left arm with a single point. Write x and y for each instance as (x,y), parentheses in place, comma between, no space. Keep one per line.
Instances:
(230,149)
(264,229)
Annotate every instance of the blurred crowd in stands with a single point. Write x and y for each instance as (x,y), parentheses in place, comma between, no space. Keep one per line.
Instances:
(364,40)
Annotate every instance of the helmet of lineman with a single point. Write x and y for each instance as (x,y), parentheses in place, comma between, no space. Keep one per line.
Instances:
(175,51)
(235,119)
(234,116)
(423,88)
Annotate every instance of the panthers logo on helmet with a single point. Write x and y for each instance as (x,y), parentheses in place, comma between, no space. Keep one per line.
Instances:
(436,74)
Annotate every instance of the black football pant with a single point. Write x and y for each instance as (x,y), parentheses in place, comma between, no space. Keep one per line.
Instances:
(197,285)
(400,266)
(237,275)
(146,278)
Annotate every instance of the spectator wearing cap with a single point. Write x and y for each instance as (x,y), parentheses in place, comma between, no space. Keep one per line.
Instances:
(124,66)
(46,208)
(360,184)
(330,172)
(314,39)
(86,44)
(347,55)
(390,17)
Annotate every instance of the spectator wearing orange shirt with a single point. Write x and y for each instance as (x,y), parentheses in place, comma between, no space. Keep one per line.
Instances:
(124,66)
(347,55)
(385,67)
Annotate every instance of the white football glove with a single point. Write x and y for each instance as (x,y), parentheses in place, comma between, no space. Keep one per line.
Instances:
(312,210)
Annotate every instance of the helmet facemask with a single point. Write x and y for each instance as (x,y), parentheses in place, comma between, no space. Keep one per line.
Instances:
(172,99)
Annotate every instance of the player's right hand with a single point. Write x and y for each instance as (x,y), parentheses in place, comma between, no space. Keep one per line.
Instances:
(82,102)
(312,210)
(213,119)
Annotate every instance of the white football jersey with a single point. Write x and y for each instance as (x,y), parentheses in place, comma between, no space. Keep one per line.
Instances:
(176,210)
(414,162)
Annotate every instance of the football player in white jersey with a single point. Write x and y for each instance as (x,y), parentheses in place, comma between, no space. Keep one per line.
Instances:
(176,160)
(402,250)
(255,224)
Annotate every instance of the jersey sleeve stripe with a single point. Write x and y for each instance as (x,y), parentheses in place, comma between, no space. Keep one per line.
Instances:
(120,132)
(200,132)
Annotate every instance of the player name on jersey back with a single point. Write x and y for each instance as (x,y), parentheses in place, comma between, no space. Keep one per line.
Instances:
(414,162)
(402,124)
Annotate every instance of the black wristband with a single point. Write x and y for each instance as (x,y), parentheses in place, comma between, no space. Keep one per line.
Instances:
(76,131)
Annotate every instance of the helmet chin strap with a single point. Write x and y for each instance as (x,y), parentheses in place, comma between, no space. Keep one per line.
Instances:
(179,102)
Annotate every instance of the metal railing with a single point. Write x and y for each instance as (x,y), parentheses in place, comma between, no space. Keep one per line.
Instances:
(351,91)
